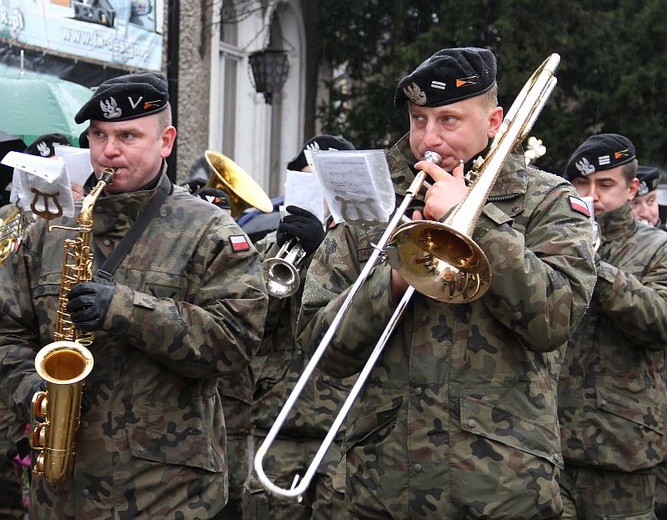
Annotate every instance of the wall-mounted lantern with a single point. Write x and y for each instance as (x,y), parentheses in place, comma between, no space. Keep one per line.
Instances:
(270,68)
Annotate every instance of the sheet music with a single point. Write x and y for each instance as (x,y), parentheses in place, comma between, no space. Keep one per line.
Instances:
(41,183)
(77,162)
(356,184)
(303,189)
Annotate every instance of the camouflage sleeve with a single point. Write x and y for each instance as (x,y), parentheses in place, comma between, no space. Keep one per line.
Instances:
(543,278)
(334,269)
(637,306)
(19,331)
(212,333)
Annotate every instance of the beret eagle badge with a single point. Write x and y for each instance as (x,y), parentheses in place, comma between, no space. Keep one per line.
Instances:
(415,94)
(110,108)
(584,166)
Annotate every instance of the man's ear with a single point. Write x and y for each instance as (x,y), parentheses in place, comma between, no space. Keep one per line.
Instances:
(495,120)
(168,139)
(633,187)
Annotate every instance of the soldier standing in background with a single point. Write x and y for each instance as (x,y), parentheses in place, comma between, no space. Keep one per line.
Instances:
(612,398)
(645,204)
(458,418)
(185,306)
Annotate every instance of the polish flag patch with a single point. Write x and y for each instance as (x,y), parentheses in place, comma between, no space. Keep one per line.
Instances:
(239,243)
(579,206)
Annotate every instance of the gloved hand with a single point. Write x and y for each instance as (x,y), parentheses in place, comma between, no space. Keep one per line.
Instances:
(89,302)
(303,225)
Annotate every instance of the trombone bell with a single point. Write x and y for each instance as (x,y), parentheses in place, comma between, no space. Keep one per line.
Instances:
(241,188)
(439,261)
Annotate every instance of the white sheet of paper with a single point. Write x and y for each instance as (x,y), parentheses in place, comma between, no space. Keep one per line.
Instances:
(44,167)
(40,183)
(77,162)
(356,184)
(302,189)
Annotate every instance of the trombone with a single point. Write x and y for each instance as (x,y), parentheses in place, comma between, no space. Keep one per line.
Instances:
(444,251)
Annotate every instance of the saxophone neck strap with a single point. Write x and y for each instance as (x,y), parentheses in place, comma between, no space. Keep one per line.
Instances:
(125,245)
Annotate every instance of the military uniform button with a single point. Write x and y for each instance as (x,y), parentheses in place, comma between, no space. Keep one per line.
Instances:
(140,449)
(84,424)
(106,242)
(212,461)
(418,390)
(472,423)
(417,467)
(558,458)
(603,404)
(85,492)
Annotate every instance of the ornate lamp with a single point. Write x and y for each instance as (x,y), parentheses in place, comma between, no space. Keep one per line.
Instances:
(269,71)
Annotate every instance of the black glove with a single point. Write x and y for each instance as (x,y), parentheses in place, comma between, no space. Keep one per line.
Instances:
(303,225)
(89,302)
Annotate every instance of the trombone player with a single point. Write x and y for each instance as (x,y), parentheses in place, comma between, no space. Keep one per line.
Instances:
(458,419)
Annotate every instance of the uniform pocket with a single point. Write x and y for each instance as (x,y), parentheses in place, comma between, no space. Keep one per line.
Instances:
(372,428)
(187,448)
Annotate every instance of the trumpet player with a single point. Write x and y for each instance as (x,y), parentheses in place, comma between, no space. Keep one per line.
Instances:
(173,305)
(277,367)
(611,394)
(458,419)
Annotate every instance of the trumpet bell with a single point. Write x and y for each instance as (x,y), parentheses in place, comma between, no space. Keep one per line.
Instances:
(439,262)
(281,277)
(242,189)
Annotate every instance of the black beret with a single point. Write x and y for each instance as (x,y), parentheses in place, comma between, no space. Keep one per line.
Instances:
(319,142)
(649,178)
(214,196)
(598,153)
(43,145)
(448,76)
(126,97)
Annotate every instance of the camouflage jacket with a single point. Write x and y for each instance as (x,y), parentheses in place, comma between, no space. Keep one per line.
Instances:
(462,403)
(186,310)
(612,395)
(279,364)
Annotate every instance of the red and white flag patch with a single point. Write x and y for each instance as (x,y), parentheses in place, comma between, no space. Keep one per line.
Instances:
(239,243)
(579,206)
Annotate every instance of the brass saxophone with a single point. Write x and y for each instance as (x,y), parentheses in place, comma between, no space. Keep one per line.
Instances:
(65,363)
(11,232)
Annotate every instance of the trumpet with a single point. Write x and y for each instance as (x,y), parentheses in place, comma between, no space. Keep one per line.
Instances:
(281,273)
(456,267)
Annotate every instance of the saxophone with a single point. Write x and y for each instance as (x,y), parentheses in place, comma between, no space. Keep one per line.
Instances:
(11,232)
(65,363)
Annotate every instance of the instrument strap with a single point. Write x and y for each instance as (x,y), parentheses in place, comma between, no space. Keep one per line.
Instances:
(112,262)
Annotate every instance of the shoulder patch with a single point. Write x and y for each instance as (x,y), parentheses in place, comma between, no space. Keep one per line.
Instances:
(239,243)
(579,206)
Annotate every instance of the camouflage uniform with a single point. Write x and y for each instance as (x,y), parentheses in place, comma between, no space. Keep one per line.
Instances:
(11,429)
(11,488)
(236,396)
(458,418)
(277,368)
(612,394)
(186,310)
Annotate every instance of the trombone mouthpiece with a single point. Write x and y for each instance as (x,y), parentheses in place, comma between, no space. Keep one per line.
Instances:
(432,157)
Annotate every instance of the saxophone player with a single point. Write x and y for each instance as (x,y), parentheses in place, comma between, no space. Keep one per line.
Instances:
(173,304)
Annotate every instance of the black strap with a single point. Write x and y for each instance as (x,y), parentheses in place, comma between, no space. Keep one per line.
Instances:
(125,245)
